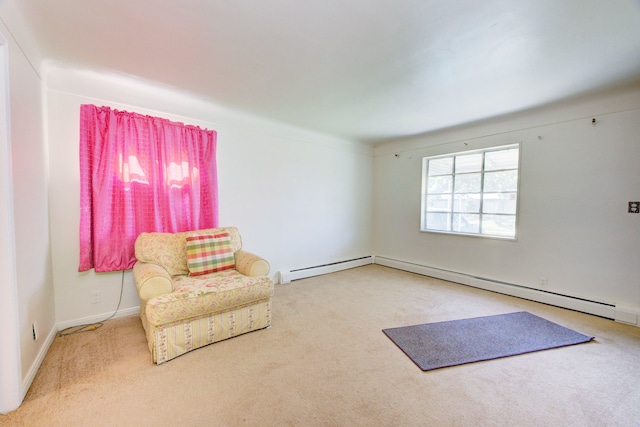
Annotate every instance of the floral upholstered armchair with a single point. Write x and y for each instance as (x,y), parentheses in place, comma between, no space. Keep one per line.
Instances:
(197,288)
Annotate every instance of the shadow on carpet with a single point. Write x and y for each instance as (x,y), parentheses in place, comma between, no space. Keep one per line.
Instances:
(456,342)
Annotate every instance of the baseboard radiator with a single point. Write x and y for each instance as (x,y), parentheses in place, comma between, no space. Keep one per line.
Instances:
(286,276)
(618,312)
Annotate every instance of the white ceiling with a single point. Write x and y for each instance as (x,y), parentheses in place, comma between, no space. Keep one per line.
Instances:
(361,69)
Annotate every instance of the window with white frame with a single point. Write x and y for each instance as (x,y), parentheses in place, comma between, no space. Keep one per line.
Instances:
(472,192)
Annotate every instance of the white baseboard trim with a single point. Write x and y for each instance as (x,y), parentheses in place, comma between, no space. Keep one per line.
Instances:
(97,318)
(286,276)
(627,315)
(35,366)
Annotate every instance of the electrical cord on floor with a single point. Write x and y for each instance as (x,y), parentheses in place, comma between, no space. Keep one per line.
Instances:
(93,326)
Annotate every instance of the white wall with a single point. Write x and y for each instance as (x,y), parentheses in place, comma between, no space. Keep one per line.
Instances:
(299,199)
(10,370)
(576,180)
(28,262)
(31,208)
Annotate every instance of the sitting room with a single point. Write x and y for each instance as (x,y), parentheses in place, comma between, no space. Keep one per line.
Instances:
(366,166)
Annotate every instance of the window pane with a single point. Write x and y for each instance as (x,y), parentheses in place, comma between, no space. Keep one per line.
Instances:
(503,159)
(439,221)
(499,225)
(466,203)
(501,181)
(468,183)
(466,223)
(469,163)
(473,192)
(500,203)
(439,184)
(439,203)
(443,166)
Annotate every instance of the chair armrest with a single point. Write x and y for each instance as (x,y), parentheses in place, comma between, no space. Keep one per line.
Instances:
(251,265)
(151,280)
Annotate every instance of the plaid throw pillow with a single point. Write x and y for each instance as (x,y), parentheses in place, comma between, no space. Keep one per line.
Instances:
(208,254)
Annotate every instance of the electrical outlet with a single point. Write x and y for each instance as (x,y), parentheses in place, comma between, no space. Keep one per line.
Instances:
(96,297)
(634,207)
(543,283)
(34,330)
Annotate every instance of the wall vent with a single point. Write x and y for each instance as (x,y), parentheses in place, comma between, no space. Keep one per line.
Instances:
(598,308)
(286,276)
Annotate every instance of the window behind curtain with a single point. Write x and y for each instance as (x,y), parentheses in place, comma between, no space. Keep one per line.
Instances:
(140,173)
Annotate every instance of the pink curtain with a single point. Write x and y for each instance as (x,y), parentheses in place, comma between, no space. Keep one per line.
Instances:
(140,173)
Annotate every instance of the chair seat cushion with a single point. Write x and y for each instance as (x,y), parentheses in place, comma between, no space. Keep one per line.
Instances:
(196,296)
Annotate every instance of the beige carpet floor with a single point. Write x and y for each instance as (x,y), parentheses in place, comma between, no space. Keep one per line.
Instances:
(326,362)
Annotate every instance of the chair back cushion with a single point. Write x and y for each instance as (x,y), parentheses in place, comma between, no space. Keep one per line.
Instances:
(169,250)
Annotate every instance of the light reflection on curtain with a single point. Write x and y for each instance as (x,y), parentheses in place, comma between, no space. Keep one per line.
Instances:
(140,173)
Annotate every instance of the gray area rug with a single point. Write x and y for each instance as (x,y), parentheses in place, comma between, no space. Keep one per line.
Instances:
(438,345)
